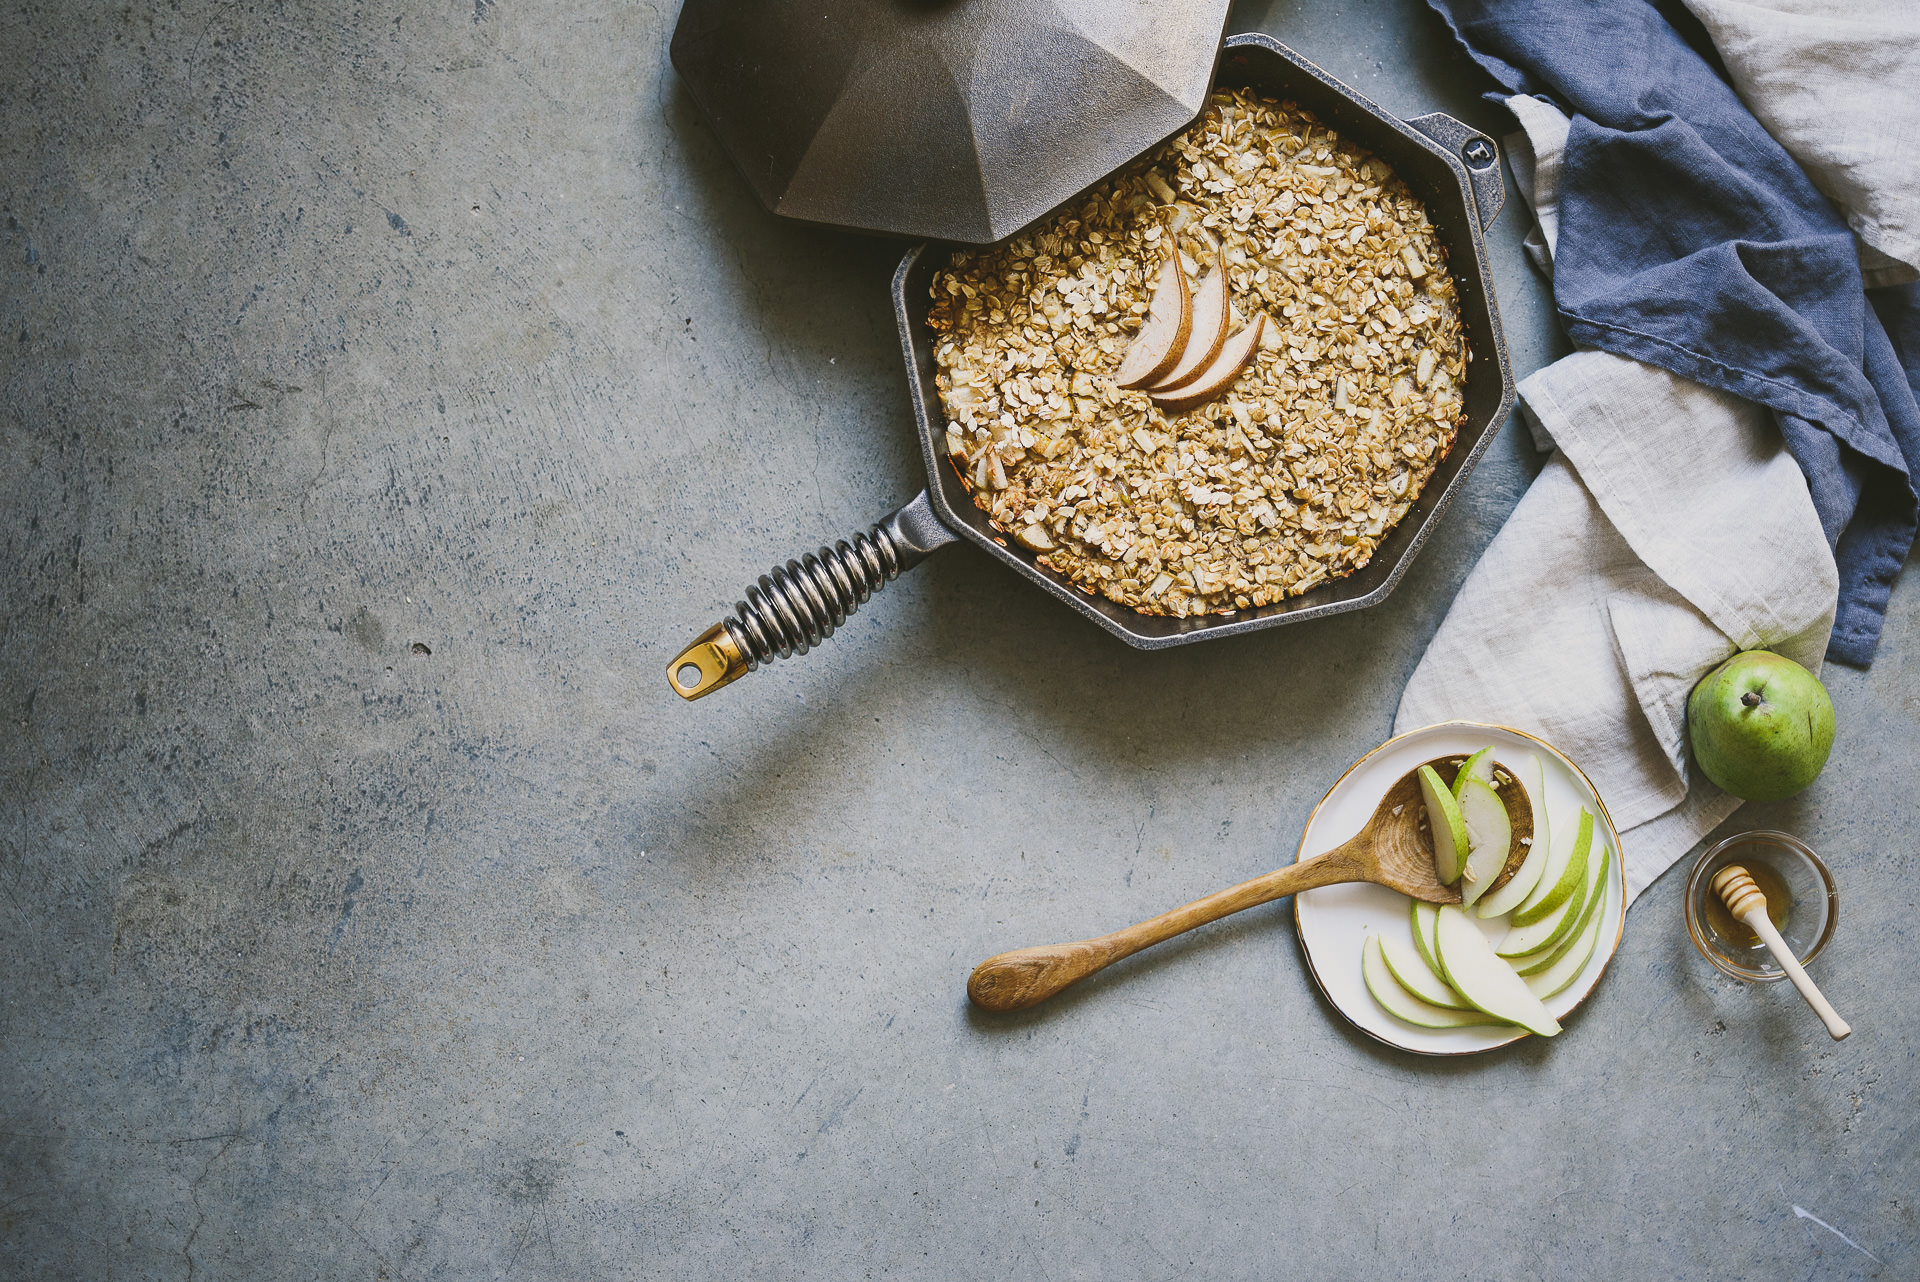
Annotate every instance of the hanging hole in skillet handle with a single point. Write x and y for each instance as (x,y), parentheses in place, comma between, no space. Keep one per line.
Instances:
(796,606)
(1477,152)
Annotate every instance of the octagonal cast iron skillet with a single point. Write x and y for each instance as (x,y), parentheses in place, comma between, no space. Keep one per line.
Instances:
(1454,170)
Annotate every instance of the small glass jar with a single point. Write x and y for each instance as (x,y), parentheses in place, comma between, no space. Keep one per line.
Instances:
(1783,867)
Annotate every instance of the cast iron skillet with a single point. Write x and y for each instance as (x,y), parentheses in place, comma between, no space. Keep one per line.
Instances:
(1452,168)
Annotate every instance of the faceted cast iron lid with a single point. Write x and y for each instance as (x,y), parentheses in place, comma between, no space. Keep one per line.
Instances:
(959,120)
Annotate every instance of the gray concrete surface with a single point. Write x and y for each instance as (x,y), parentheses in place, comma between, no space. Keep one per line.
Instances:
(388,391)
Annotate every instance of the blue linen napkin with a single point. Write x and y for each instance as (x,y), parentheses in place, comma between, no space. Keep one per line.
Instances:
(1689,239)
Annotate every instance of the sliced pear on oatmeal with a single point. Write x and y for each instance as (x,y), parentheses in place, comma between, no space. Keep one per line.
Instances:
(1162,339)
(1216,378)
(1208,332)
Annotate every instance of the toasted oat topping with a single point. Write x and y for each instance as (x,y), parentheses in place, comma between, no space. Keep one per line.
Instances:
(1291,476)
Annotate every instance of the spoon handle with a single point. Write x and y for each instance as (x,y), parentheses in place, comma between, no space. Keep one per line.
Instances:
(1017,980)
(1763,927)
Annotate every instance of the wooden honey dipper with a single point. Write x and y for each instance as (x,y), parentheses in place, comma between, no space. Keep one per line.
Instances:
(1748,903)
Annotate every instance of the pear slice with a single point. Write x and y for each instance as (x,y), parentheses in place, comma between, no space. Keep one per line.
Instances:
(1562,923)
(1422,917)
(1527,965)
(1527,875)
(1572,875)
(1570,927)
(1217,377)
(1489,837)
(1162,339)
(1550,952)
(1401,1004)
(1478,766)
(1542,935)
(1208,331)
(1444,822)
(1418,978)
(1572,959)
(1483,978)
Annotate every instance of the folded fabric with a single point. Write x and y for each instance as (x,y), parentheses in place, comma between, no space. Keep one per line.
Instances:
(1837,83)
(1692,241)
(1670,530)
(1535,154)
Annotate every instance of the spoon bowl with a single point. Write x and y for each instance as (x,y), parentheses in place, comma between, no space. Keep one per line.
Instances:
(1401,846)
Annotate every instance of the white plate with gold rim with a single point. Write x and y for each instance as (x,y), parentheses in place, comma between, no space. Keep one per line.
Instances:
(1334,921)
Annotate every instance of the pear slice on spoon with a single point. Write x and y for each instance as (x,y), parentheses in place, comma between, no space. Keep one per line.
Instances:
(1210,319)
(1162,339)
(1501,899)
(1390,851)
(1489,836)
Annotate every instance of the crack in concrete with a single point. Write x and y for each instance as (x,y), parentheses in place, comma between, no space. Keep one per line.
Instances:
(193,1192)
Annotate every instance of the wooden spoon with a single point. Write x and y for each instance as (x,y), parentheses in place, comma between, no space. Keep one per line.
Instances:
(1393,850)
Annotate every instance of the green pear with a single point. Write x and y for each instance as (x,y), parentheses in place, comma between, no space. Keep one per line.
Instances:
(1566,967)
(1422,917)
(1536,946)
(1444,822)
(1761,726)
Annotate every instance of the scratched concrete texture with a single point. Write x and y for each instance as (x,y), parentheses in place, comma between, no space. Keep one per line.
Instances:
(388,390)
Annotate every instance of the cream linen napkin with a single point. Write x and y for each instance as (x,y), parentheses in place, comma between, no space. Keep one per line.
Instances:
(1669,529)
(1837,83)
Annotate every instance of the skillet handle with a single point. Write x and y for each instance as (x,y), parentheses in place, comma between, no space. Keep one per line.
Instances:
(1479,153)
(797,606)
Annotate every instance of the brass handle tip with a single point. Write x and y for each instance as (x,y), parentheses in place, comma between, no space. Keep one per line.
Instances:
(712,661)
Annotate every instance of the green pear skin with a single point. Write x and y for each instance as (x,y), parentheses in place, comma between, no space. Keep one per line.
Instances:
(1421,917)
(1761,726)
(1573,876)
(1478,766)
(1417,977)
(1401,1004)
(1444,824)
